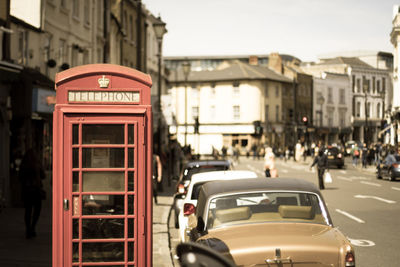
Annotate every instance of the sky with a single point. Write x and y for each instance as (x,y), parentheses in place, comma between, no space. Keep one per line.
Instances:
(302,28)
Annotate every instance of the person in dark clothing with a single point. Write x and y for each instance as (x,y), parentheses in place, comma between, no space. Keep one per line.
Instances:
(364,155)
(322,164)
(31,174)
(157,175)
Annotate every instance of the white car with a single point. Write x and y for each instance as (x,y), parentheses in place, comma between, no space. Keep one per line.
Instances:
(190,200)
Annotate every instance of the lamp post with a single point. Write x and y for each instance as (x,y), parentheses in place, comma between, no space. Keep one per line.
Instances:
(159,30)
(186,71)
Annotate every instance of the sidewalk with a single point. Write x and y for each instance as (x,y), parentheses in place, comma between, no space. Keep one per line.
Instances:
(17,251)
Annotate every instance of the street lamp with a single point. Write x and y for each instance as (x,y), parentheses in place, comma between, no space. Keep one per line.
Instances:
(159,30)
(186,71)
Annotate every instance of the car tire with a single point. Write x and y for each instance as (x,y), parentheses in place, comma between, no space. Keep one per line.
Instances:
(392,177)
(378,174)
(176,221)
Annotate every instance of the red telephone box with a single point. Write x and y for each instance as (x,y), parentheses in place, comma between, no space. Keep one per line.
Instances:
(102,163)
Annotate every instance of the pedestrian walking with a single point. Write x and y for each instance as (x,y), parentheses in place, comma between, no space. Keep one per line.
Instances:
(355,153)
(31,175)
(269,164)
(322,165)
(364,155)
(157,175)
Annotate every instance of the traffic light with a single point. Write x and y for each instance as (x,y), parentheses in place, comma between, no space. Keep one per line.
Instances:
(304,120)
(258,129)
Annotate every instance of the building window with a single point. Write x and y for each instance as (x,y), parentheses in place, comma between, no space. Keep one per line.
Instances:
(62,51)
(212,112)
(99,13)
(373,85)
(277,113)
(383,84)
(368,110)
(358,110)
(330,97)
(358,85)
(266,113)
(277,91)
(195,112)
(342,96)
(75,8)
(131,33)
(236,89)
(236,112)
(63,3)
(342,118)
(353,83)
(266,91)
(330,116)
(194,92)
(378,86)
(86,9)
(378,110)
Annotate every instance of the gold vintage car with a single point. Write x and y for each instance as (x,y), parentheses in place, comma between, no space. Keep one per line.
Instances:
(269,222)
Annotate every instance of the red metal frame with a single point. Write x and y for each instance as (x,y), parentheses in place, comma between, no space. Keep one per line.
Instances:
(66,114)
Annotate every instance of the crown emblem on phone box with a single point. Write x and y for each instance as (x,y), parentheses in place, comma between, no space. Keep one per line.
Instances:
(103,82)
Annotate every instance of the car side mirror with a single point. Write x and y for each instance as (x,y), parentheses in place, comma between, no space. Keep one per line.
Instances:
(196,255)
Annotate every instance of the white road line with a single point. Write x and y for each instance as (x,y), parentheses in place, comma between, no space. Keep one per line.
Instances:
(395,188)
(345,178)
(343,172)
(377,198)
(284,171)
(369,183)
(350,216)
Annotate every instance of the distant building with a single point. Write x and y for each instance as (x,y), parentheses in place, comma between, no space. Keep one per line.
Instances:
(230,103)
(395,40)
(370,87)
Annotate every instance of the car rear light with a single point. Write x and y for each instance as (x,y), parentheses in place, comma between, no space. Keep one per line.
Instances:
(181,189)
(395,165)
(339,155)
(188,209)
(350,259)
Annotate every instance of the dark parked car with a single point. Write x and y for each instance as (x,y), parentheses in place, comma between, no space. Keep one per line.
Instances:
(389,169)
(191,168)
(335,157)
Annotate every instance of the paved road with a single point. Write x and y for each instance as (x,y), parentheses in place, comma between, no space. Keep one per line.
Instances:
(365,209)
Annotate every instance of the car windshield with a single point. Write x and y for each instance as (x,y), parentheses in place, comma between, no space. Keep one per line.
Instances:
(205,168)
(266,207)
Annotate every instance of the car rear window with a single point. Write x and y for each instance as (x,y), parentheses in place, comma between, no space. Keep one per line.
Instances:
(266,207)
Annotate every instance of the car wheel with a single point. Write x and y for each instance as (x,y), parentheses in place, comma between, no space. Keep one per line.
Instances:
(392,177)
(378,174)
(176,221)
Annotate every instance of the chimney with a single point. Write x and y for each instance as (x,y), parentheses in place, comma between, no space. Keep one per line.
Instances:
(275,62)
(253,60)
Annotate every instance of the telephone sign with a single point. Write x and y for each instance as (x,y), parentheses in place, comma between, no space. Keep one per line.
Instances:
(102,197)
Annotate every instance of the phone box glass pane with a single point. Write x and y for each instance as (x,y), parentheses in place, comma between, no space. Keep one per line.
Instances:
(102,134)
(103,158)
(103,181)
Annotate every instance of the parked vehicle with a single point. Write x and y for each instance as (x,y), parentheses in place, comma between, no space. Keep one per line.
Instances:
(191,168)
(269,222)
(198,179)
(388,169)
(335,157)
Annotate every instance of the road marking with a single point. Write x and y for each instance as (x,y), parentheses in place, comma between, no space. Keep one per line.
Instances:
(361,242)
(343,172)
(345,178)
(395,188)
(350,216)
(369,183)
(284,171)
(358,178)
(377,198)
